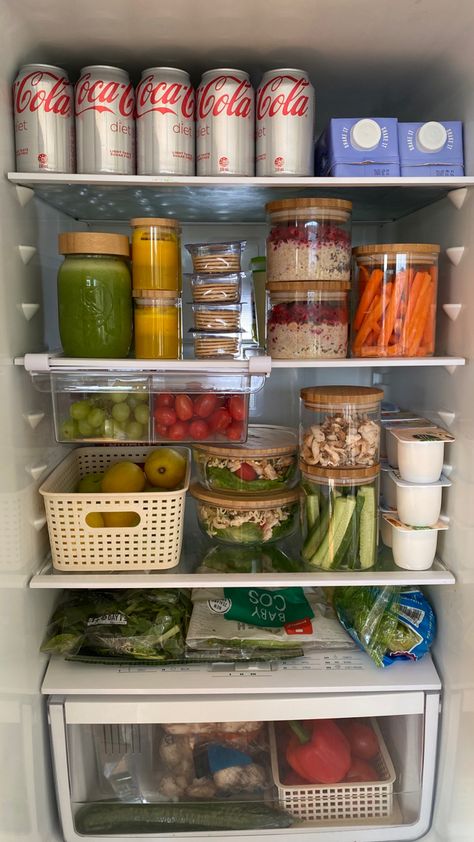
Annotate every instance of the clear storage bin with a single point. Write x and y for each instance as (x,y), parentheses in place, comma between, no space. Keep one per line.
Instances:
(307,320)
(395,305)
(266,462)
(339,512)
(217,288)
(158,332)
(340,426)
(216,258)
(246,519)
(217,317)
(156,254)
(212,345)
(200,416)
(101,409)
(309,240)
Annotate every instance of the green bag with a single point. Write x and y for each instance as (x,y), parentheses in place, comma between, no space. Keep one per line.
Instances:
(266,607)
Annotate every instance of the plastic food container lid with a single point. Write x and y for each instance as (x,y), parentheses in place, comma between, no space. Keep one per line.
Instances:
(397,248)
(209,307)
(258,264)
(263,440)
(234,247)
(443,481)
(422,435)
(155,221)
(342,476)
(308,286)
(270,500)
(89,242)
(340,395)
(214,334)
(219,278)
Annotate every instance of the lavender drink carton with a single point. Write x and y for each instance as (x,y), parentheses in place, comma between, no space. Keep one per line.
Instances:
(431,149)
(359,147)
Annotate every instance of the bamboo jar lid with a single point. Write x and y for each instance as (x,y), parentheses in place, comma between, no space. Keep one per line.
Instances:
(340,395)
(394,248)
(89,242)
(342,476)
(148,221)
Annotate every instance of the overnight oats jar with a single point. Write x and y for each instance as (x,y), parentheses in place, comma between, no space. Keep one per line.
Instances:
(309,240)
(308,320)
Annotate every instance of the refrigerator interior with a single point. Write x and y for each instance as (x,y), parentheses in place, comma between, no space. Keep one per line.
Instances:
(410,59)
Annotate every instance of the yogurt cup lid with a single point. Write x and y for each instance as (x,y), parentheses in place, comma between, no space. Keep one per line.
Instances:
(403,483)
(423,435)
(393,520)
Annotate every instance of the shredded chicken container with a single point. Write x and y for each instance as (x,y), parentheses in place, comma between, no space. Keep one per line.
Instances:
(245,518)
(266,462)
(340,426)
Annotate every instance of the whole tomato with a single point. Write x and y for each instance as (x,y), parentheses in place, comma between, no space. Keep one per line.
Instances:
(236,407)
(161,431)
(165,415)
(360,770)
(164,400)
(362,739)
(219,420)
(199,430)
(234,431)
(178,431)
(204,405)
(183,407)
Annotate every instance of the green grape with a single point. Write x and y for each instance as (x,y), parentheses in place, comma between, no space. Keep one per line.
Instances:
(141,414)
(85,428)
(79,410)
(69,430)
(120,412)
(134,430)
(132,402)
(118,397)
(96,417)
(141,396)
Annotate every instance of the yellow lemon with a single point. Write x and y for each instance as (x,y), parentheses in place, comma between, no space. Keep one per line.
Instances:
(115,519)
(123,478)
(95,520)
(165,468)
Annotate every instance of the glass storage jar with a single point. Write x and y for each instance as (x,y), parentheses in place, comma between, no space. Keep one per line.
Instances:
(395,304)
(156,254)
(309,240)
(266,462)
(308,320)
(340,426)
(339,511)
(157,318)
(244,518)
(95,295)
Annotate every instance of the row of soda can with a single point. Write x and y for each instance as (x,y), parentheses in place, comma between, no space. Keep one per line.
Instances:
(164,127)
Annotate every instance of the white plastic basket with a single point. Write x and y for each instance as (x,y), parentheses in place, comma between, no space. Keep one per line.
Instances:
(344,802)
(154,544)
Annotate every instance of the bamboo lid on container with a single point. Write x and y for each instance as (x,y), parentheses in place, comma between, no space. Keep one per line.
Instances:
(90,242)
(229,500)
(339,395)
(394,248)
(342,476)
(264,440)
(308,286)
(145,221)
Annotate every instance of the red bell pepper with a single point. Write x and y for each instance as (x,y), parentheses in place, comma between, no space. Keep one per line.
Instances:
(318,751)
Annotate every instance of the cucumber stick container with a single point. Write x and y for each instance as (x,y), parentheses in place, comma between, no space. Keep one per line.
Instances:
(339,514)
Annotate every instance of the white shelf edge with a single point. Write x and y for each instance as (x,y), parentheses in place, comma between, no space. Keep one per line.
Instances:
(371,362)
(48,578)
(38,179)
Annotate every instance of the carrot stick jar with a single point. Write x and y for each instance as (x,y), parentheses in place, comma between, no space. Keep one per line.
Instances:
(395,306)
(156,254)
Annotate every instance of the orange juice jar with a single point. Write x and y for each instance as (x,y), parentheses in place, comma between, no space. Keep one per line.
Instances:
(157,317)
(156,254)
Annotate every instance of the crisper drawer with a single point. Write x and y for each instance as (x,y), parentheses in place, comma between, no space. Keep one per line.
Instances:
(347,766)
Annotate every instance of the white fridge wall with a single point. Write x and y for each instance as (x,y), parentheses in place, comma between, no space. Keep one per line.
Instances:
(412,58)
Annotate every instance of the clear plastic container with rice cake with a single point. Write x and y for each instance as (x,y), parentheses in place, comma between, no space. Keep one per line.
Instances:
(216,258)
(217,288)
(212,345)
(217,317)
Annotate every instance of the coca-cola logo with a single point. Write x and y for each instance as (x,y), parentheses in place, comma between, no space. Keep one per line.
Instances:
(101,95)
(271,100)
(43,90)
(213,100)
(165,97)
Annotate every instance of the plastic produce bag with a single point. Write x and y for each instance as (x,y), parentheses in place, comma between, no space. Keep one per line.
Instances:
(148,625)
(388,623)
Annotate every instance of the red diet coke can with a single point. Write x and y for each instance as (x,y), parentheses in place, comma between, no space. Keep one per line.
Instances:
(105,121)
(165,122)
(44,119)
(225,124)
(285,124)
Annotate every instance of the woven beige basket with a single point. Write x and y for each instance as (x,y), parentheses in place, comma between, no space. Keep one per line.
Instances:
(154,544)
(344,802)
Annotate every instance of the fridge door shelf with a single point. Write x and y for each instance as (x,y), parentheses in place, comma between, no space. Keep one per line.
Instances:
(235,199)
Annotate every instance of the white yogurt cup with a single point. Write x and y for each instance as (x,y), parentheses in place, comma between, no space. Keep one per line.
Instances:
(390,440)
(418,504)
(414,550)
(421,453)
(385,532)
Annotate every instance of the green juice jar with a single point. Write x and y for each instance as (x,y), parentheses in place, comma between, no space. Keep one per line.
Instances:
(95,295)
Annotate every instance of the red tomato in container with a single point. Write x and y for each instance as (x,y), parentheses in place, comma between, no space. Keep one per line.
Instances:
(178,431)
(361,771)
(236,407)
(164,400)
(199,430)
(165,415)
(184,407)
(362,739)
(234,431)
(161,430)
(219,420)
(204,405)
(246,473)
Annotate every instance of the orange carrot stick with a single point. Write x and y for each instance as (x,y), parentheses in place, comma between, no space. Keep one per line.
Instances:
(369,293)
(373,316)
(420,316)
(413,295)
(392,309)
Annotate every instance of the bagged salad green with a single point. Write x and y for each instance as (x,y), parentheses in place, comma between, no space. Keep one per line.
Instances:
(389,623)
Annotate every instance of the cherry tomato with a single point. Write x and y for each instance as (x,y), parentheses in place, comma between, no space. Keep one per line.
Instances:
(178,431)
(219,420)
(362,739)
(204,405)
(236,407)
(199,430)
(161,430)
(164,400)
(184,407)
(165,415)
(246,472)
(360,770)
(234,431)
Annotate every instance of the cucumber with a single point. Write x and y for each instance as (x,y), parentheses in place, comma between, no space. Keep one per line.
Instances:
(337,528)
(368,525)
(312,510)
(346,543)
(120,818)
(317,533)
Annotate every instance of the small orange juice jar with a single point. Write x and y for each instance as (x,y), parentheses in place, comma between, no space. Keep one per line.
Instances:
(156,254)
(157,318)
